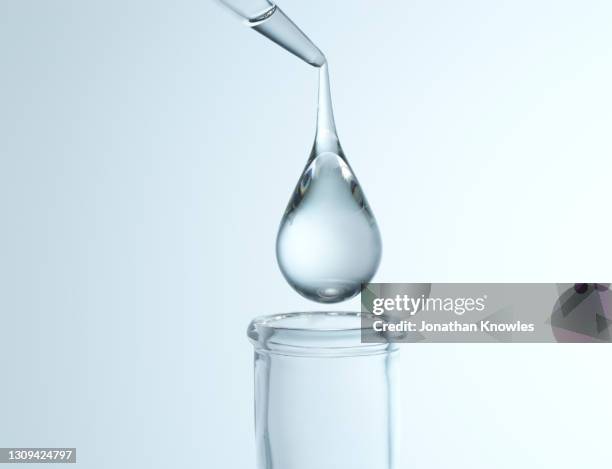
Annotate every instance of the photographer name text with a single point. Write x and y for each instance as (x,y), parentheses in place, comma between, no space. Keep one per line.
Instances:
(452,326)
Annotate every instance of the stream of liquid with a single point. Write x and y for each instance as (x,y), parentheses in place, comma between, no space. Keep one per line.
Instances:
(328,243)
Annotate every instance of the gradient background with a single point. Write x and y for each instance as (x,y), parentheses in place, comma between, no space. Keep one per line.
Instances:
(148,149)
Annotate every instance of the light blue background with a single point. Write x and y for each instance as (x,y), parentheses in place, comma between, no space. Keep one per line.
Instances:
(148,149)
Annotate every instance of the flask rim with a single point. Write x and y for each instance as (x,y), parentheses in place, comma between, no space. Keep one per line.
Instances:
(318,333)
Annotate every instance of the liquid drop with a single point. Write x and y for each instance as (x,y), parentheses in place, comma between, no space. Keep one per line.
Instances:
(328,242)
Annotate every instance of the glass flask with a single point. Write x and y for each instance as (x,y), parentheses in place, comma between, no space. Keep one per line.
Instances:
(323,399)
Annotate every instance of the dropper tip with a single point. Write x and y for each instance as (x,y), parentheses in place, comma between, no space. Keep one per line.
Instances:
(318,61)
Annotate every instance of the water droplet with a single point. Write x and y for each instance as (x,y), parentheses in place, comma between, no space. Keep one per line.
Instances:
(328,243)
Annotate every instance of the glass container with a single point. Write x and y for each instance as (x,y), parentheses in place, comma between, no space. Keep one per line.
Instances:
(323,398)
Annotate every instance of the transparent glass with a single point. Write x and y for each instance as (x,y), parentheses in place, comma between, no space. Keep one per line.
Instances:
(269,20)
(323,399)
